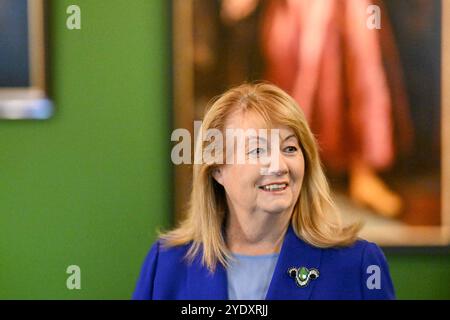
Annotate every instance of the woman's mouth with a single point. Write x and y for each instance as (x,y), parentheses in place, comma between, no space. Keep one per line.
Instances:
(273,187)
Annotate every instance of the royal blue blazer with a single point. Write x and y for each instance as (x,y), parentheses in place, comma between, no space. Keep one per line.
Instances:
(356,272)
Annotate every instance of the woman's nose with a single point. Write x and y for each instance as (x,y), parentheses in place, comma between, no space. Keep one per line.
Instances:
(277,166)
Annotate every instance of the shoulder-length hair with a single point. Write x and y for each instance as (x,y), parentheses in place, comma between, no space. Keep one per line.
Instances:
(315,217)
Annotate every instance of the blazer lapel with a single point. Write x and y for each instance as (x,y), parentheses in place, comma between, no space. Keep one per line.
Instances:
(204,285)
(294,253)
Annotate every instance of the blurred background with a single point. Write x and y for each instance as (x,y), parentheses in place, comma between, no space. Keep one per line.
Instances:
(91,185)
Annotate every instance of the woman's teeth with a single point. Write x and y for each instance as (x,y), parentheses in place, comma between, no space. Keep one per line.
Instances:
(274,187)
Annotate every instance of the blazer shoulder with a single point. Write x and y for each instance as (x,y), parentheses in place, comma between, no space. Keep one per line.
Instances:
(364,269)
(376,281)
(361,252)
(355,250)
(161,261)
(170,257)
(354,258)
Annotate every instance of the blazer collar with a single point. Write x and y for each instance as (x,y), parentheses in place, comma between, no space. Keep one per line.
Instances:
(294,253)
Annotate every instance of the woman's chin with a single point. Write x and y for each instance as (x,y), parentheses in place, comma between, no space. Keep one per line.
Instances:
(276,208)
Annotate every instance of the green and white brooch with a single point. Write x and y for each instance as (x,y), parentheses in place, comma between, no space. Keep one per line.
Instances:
(303,275)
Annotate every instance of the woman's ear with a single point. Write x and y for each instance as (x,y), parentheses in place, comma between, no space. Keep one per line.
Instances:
(217,175)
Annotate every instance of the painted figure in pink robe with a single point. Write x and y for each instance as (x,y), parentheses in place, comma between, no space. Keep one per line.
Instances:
(346,77)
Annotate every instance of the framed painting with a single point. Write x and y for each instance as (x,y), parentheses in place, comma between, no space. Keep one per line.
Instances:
(404,198)
(23,89)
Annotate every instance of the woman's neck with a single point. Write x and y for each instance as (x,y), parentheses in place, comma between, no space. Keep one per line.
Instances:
(257,233)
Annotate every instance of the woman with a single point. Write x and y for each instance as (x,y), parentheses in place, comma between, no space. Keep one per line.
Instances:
(262,229)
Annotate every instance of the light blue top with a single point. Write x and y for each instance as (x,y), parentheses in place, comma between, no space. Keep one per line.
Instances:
(249,276)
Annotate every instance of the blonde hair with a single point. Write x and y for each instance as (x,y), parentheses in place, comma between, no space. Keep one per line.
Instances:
(315,217)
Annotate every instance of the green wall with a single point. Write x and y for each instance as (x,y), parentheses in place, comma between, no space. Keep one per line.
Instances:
(420,276)
(90,186)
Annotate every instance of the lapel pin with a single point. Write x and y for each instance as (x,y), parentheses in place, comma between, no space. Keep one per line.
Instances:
(303,275)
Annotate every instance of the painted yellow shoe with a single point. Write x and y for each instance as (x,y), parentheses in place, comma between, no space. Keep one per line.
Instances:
(369,190)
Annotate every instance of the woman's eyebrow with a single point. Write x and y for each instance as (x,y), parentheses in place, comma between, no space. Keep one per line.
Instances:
(256,138)
(289,137)
(264,139)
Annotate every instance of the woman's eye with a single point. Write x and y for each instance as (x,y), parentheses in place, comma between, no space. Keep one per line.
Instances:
(257,151)
(290,149)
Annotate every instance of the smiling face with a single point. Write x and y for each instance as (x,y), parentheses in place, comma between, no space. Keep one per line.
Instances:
(250,191)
